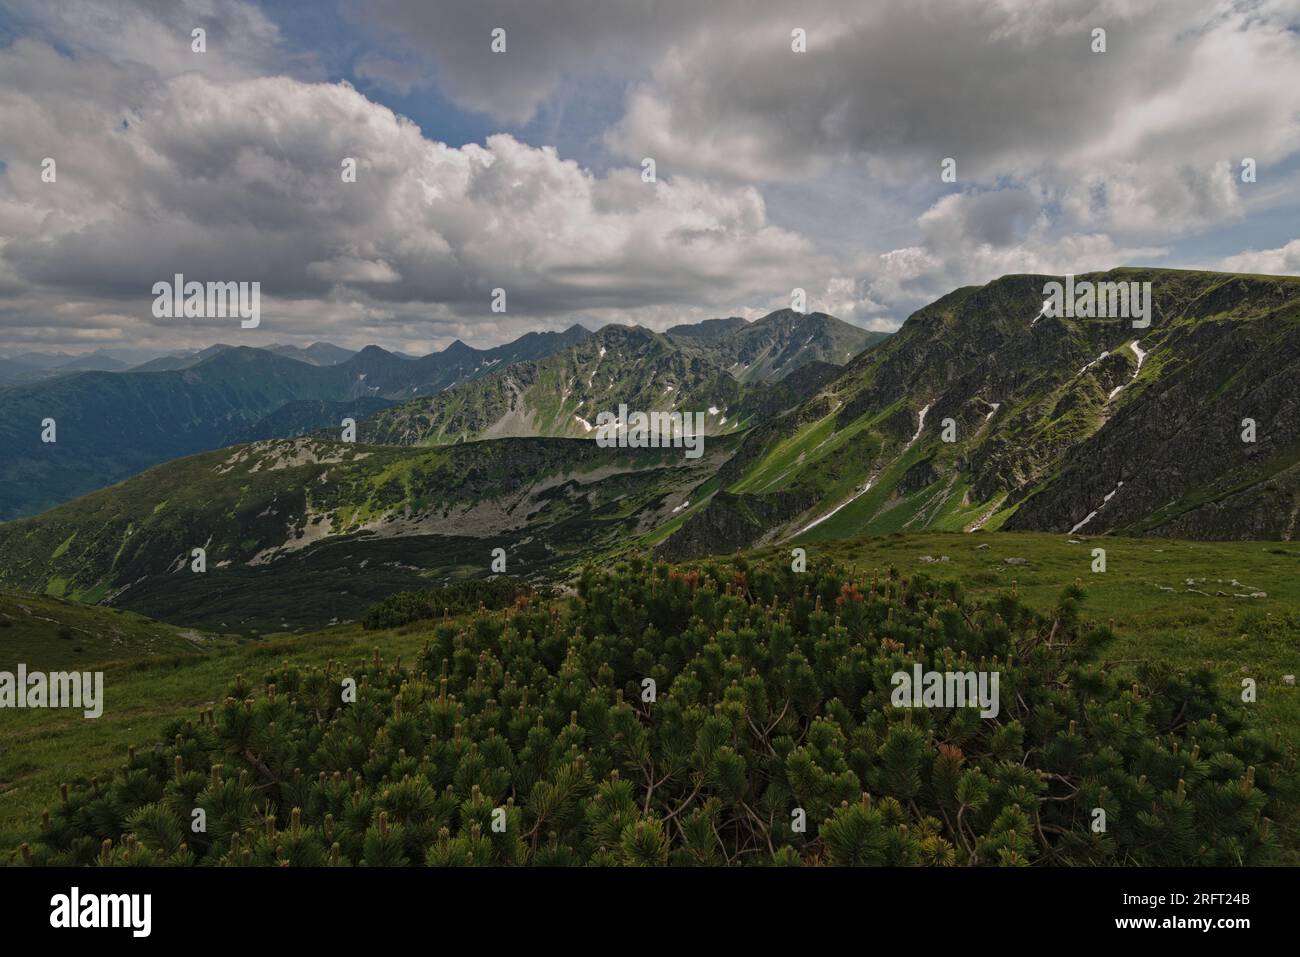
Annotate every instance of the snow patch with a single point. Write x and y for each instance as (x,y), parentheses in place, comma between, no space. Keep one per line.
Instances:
(920,427)
(1093,514)
(1141,357)
(848,501)
(1104,354)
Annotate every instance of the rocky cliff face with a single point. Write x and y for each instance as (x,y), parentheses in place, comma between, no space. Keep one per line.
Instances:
(733,372)
(1180,444)
(982,412)
(731,522)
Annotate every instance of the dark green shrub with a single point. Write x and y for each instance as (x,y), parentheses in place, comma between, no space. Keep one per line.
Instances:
(528,736)
(454,599)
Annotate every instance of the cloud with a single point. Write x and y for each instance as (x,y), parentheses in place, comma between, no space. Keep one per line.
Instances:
(391,74)
(240,180)
(970,238)
(776,169)
(1281,261)
(546,43)
(352,269)
(156,36)
(1006,89)
(1064,155)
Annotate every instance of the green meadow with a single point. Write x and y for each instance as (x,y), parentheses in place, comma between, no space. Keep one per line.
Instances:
(1189,603)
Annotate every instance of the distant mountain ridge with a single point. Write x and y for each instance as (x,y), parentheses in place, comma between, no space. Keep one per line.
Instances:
(112,425)
(771,348)
(36,366)
(981,413)
(1073,425)
(721,368)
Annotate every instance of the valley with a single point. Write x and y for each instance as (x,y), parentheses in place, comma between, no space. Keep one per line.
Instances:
(978,415)
(985,449)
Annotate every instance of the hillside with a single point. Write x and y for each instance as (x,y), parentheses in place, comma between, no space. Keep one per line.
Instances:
(1062,424)
(771,695)
(769,349)
(112,425)
(299,533)
(727,369)
(563,394)
(305,416)
(47,633)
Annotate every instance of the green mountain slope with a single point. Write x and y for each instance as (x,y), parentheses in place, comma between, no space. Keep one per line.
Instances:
(47,633)
(305,416)
(563,394)
(1053,420)
(727,369)
(303,531)
(111,425)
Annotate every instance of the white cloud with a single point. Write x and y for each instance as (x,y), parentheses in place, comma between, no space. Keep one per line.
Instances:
(226,165)
(1281,261)
(156,36)
(241,180)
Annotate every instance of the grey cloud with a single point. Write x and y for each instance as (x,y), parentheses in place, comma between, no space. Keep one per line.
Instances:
(240,180)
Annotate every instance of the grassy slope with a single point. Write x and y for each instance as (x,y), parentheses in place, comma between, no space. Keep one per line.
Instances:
(238,503)
(1037,422)
(1238,638)
(50,633)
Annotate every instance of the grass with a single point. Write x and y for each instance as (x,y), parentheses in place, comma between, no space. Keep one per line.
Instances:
(39,749)
(1237,638)
(48,633)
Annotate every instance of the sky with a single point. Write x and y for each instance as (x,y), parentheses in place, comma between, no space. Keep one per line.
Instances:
(775,168)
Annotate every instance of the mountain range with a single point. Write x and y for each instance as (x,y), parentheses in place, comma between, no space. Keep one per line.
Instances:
(1083,426)
(980,413)
(722,368)
(110,425)
(35,366)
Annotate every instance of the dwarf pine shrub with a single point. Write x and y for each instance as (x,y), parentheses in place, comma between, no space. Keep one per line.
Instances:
(457,598)
(729,714)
